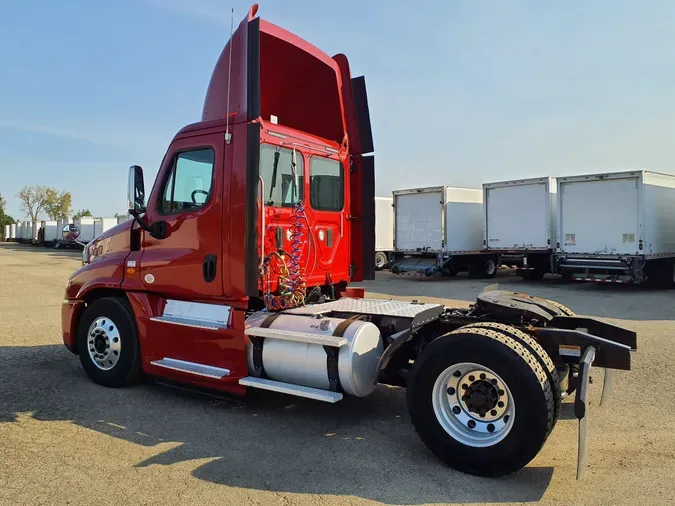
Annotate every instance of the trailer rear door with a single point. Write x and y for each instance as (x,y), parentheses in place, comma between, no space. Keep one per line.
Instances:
(518,216)
(419,220)
(599,216)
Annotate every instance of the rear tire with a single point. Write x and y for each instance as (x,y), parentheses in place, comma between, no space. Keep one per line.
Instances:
(380,260)
(563,309)
(107,342)
(536,350)
(483,267)
(528,396)
(532,275)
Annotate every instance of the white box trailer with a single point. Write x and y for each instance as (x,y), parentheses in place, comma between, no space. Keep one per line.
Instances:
(50,232)
(35,228)
(439,229)
(12,232)
(123,218)
(5,235)
(103,224)
(384,231)
(616,227)
(87,229)
(520,223)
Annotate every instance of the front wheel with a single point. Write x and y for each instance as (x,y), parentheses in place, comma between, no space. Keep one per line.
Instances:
(107,342)
(481,402)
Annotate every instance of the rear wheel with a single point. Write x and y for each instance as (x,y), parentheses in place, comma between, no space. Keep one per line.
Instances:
(563,309)
(107,342)
(484,267)
(536,350)
(481,401)
(380,260)
(532,274)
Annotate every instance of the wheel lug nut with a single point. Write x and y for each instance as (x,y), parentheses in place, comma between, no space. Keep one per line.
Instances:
(472,378)
(456,410)
(471,424)
(500,404)
(464,386)
(493,381)
(493,412)
(451,391)
(501,392)
(482,376)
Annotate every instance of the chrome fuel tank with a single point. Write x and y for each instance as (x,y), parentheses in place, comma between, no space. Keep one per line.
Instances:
(305,364)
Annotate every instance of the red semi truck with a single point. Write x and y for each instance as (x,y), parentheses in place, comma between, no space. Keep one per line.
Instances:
(234,275)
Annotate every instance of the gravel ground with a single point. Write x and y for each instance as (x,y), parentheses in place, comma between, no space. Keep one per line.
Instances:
(65,440)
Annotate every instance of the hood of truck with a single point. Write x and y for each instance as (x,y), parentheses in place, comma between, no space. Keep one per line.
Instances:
(113,240)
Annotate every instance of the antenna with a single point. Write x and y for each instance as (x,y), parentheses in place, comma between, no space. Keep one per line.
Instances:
(228,135)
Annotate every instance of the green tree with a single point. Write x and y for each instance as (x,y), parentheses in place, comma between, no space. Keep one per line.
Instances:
(81,213)
(58,204)
(5,219)
(34,199)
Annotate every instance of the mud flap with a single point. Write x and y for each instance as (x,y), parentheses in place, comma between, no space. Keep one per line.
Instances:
(581,406)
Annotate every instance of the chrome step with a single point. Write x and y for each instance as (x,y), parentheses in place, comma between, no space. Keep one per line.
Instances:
(208,371)
(302,337)
(288,388)
(188,322)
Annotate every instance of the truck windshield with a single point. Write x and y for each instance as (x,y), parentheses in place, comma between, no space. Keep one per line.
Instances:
(326,184)
(278,177)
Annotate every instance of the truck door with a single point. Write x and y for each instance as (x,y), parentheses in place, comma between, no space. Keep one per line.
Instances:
(188,196)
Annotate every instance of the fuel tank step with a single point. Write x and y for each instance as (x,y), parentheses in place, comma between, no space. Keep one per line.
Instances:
(302,337)
(287,388)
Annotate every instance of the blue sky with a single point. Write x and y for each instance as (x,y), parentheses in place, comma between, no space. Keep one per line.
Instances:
(461,92)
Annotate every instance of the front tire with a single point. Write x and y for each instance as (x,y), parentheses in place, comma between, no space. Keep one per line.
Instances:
(107,342)
(471,431)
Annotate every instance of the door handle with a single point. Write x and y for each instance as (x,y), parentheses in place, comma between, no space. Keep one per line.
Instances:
(209,268)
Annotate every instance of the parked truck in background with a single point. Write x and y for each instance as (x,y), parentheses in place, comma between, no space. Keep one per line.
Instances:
(234,275)
(384,231)
(439,230)
(616,227)
(520,223)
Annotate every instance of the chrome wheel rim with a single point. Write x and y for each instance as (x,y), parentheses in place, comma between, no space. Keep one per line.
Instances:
(104,343)
(490,267)
(473,404)
(379,261)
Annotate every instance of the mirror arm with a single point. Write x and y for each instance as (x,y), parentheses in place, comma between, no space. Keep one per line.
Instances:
(157,229)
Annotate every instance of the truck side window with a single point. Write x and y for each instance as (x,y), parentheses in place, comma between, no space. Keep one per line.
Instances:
(279,183)
(188,186)
(326,184)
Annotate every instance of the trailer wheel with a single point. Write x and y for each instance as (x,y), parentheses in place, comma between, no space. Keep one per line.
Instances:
(380,260)
(107,342)
(481,401)
(532,275)
(484,267)
(536,350)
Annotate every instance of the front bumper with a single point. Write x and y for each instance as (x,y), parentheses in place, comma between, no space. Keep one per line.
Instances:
(70,317)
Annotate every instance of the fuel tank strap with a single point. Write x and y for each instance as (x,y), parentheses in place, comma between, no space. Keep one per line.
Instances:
(258,369)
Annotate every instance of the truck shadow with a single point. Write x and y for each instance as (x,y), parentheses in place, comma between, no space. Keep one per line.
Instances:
(363,448)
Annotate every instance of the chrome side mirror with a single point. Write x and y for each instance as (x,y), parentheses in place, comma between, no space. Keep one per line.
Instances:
(136,189)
